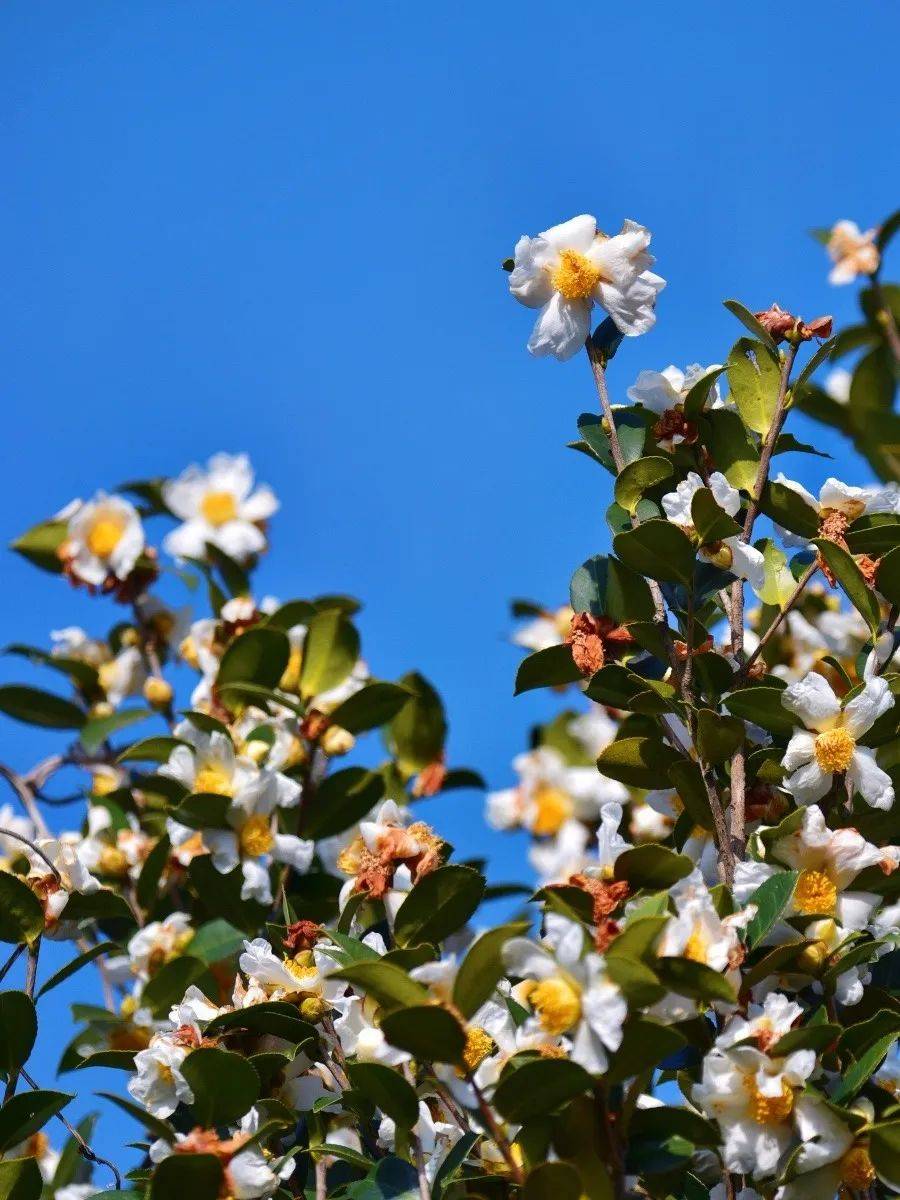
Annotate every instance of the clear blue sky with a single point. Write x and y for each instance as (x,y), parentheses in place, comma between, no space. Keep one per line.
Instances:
(277,227)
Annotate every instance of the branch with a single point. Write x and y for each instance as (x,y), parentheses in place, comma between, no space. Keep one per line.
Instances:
(83,1148)
(886,320)
(34,950)
(780,616)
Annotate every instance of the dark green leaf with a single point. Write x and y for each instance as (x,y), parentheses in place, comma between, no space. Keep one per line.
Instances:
(21,914)
(18,1029)
(652,866)
(539,1087)
(74,965)
(771,899)
(33,706)
(20,1179)
(551,667)
(26,1113)
(439,904)
(429,1033)
(658,549)
(388,1090)
(224,1084)
(199,1176)
(96,730)
(340,801)
(852,581)
(482,968)
(372,706)
(637,761)
(259,655)
(639,477)
(416,735)
(388,985)
(711,522)
(330,651)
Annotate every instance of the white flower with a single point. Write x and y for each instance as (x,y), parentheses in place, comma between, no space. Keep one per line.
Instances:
(565,270)
(550,793)
(71,873)
(218,505)
(852,252)
(595,729)
(75,1191)
(158,942)
(829,1159)
(568,992)
(813,758)
(837,385)
(435,1138)
(255,843)
(123,676)
(12,847)
(73,642)
(752,1097)
(665,391)
(158,1083)
(828,861)
(361,1036)
(764,1023)
(549,629)
(557,858)
(732,554)
(844,499)
(105,537)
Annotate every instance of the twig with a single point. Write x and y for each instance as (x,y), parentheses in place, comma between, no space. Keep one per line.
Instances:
(497,1135)
(886,320)
(26,795)
(83,1148)
(34,849)
(781,615)
(12,960)
(321,1169)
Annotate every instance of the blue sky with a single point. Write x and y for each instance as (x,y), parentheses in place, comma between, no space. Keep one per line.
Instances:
(277,228)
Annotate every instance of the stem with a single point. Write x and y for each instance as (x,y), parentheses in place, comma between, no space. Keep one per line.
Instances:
(26,795)
(321,1173)
(738,761)
(34,849)
(497,1135)
(34,950)
(83,1148)
(781,614)
(12,960)
(886,320)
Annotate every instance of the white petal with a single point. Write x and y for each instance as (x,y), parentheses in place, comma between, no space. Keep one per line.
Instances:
(813,701)
(873,784)
(864,710)
(808,784)
(561,328)
(575,234)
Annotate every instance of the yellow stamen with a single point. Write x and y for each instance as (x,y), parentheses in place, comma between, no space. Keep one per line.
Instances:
(857,1170)
(834,750)
(575,276)
(213,777)
(112,861)
(479,1045)
(256,836)
(767,1110)
(290,680)
(815,893)
(104,535)
(557,1004)
(553,806)
(219,508)
(697,945)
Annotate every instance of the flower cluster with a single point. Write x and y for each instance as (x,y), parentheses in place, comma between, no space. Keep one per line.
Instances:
(695,992)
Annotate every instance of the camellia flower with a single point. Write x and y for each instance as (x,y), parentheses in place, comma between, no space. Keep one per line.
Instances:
(550,793)
(71,875)
(664,392)
(568,992)
(158,1083)
(254,843)
(302,979)
(104,537)
(828,861)
(565,270)
(158,943)
(388,857)
(831,1157)
(829,747)
(247,1173)
(549,629)
(209,763)
(838,505)
(218,505)
(731,554)
(752,1097)
(852,252)
(435,1137)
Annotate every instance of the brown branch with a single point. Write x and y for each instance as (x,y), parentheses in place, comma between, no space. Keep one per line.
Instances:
(782,613)
(498,1137)
(83,1148)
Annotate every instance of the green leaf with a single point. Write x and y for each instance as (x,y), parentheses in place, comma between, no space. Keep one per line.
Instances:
(887,578)
(439,904)
(658,549)
(539,1087)
(733,450)
(788,508)
(635,980)
(688,978)
(293,612)
(551,667)
(233,574)
(151,873)
(170,983)
(637,761)
(18,1029)
(21,914)
(687,779)
(372,706)
(482,968)
(754,379)
(26,1113)
(429,1033)
(152,749)
(553,1181)
(215,941)
(884,1150)
(340,801)
(875,534)
(749,321)
(224,1084)
(699,392)
(605,587)
(159,1128)
(20,1179)
(666,1120)
(639,477)
(33,706)
(786,443)
(416,735)
(388,1090)
(631,426)
(762,706)
(203,810)
(852,581)
(652,866)
(855,1076)
(278,1018)
(96,730)
(771,899)
(778,583)
(41,543)
(259,655)
(387,984)
(330,651)
(712,523)
(103,905)
(72,966)
(220,895)
(199,1176)
(718,737)
(645,1044)
(82,674)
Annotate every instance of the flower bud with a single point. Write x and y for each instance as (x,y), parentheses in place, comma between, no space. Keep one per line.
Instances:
(313,1008)
(158,692)
(129,637)
(812,957)
(336,741)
